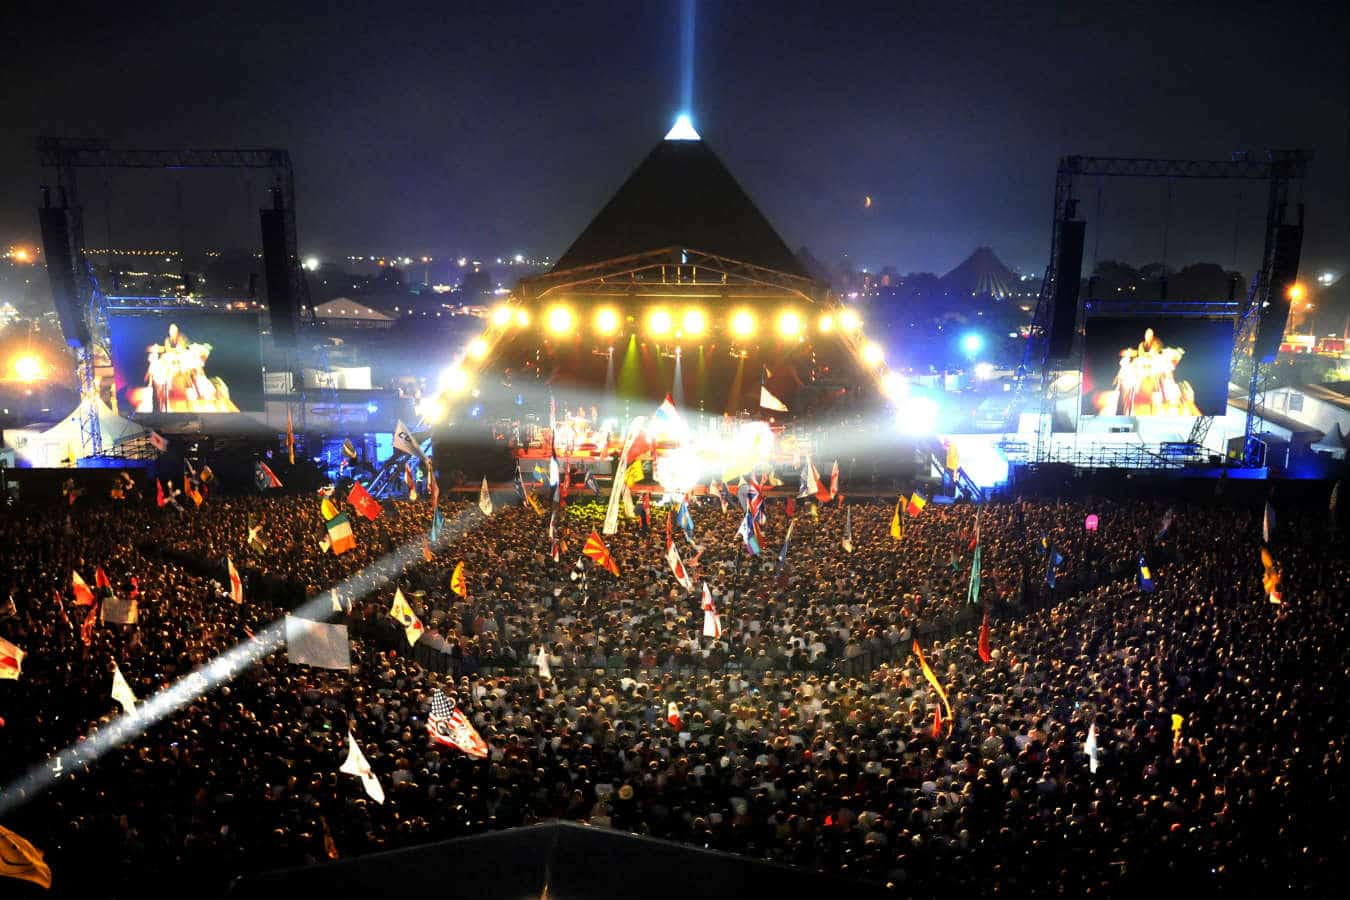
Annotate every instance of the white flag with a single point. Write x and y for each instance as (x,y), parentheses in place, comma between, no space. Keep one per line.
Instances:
(1090,748)
(712,622)
(611,525)
(769,401)
(541,660)
(677,568)
(404,441)
(484,498)
(357,765)
(121,691)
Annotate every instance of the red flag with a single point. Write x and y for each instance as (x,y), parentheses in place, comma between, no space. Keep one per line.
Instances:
(984,638)
(937,722)
(159,493)
(599,553)
(83,596)
(673,715)
(135,587)
(365,504)
(101,578)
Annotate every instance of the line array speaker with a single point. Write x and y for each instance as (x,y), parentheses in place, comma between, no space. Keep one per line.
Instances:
(56,248)
(1274,316)
(1068,279)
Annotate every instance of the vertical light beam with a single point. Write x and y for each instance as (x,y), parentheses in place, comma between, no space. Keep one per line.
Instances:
(687,58)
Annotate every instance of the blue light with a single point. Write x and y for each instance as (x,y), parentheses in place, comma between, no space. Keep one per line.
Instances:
(972,343)
(682,130)
(372,407)
(476,410)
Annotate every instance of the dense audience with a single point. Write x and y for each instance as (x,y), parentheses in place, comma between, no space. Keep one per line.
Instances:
(806,731)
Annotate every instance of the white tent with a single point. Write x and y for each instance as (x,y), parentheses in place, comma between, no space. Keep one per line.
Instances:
(46,446)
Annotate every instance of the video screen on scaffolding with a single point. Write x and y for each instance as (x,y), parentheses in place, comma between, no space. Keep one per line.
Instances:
(1156,366)
(183,361)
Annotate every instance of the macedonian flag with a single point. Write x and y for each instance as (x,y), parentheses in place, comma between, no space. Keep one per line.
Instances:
(599,553)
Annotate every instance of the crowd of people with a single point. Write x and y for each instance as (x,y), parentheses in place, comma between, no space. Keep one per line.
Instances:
(806,731)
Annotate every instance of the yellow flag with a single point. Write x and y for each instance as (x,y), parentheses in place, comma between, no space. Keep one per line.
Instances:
(290,437)
(327,508)
(953,457)
(1177,722)
(937,686)
(20,859)
(634,473)
(897,527)
(457,582)
(534,503)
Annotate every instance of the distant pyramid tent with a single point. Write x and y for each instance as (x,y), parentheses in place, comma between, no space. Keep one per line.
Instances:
(982,273)
(681,196)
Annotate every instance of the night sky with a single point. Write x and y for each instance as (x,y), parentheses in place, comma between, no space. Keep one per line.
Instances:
(496,127)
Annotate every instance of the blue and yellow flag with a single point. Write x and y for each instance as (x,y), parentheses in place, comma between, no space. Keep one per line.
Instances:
(1145,576)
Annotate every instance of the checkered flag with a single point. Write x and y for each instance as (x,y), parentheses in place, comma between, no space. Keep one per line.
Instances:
(441,707)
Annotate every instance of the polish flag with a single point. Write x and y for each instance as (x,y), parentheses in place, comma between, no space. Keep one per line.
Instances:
(83,596)
(673,715)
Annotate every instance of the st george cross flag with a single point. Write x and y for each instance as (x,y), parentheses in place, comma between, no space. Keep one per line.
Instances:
(1090,748)
(599,554)
(356,764)
(451,728)
(365,504)
(319,644)
(484,498)
(340,536)
(83,596)
(677,567)
(712,622)
(402,613)
(121,691)
(236,583)
(11,660)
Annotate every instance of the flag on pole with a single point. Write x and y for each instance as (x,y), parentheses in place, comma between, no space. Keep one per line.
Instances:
(937,685)
(712,622)
(1268,522)
(747,534)
(645,512)
(83,596)
(847,542)
(686,520)
(290,437)
(768,401)
(953,457)
(265,477)
(484,498)
(410,480)
(984,638)
(541,662)
(787,539)
(677,567)
(634,474)
(1164,525)
(340,536)
(834,480)
(458,583)
(809,485)
(365,504)
(1054,561)
(327,509)
(347,449)
(21,860)
(433,486)
(236,583)
(159,494)
(402,613)
(1090,748)
(121,691)
(11,660)
(897,526)
(973,589)
(158,441)
(437,525)
(599,554)
(533,502)
(1145,576)
(404,441)
(916,504)
(451,728)
(356,764)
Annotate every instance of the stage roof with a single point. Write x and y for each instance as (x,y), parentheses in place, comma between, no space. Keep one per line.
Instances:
(682,196)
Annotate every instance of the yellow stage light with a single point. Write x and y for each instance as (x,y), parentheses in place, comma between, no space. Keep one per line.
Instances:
(28,368)
(522,318)
(501,316)
(478,348)
(606,321)
(872,354)
(1297,291)
(658,323)
(849,320)
(742,324)
(454,380)
(559,320)
(789,324)
(694,323)
(826,323)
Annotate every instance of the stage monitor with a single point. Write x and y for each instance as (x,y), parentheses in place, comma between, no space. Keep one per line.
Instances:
(1163,365)
(186,361)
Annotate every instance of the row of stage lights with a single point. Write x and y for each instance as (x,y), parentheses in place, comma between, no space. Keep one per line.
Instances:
(561,321)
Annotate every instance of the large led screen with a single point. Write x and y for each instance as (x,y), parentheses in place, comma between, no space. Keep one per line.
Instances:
(174,361)
(1156,366)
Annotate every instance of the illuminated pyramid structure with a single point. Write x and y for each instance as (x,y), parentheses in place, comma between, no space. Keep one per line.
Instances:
(981,274)
(679,271)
